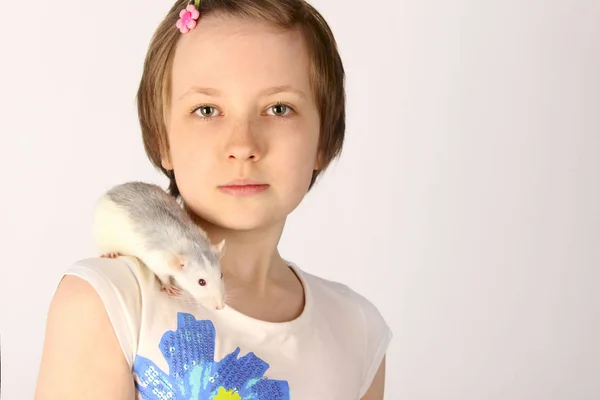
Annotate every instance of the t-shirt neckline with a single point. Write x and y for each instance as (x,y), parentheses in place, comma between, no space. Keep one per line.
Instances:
(237,317)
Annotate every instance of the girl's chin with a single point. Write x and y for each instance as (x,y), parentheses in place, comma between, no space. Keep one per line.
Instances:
(245,219)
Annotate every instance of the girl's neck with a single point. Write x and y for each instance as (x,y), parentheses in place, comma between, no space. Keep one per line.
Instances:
(250,256)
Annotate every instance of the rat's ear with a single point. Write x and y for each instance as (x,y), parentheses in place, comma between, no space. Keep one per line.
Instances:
(219,248)
(177,262)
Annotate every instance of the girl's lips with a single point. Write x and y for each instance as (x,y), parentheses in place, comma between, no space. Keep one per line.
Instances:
(244,189)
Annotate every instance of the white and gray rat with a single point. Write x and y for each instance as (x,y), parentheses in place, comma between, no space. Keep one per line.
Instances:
(142,220)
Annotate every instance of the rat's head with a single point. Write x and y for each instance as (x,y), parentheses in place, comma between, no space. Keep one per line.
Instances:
(198,272)
(253,93)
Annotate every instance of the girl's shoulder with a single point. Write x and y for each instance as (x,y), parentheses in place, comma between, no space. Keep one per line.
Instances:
(120,283)
(352,318)
(335,297)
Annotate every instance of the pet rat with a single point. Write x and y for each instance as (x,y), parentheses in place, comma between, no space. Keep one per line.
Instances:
(142,220)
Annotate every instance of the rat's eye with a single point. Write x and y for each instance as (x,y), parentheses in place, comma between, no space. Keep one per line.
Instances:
(202,282)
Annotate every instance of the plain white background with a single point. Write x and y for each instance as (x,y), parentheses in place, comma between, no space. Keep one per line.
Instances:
(465,205)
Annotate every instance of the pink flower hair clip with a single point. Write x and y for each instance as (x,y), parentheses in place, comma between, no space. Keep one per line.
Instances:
(188,17)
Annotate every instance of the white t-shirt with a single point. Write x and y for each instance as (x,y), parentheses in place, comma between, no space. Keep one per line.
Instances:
(177,351)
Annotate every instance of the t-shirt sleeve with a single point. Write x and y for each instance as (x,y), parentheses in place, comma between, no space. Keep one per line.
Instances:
(378,337)
(116,283)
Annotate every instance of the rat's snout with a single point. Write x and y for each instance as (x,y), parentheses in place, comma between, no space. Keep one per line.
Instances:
(219,303)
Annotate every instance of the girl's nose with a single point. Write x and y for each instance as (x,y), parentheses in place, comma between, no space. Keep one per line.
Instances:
(243,144)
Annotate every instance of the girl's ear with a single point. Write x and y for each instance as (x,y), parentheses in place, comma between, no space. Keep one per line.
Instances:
(165,158)
(166,163)
(318,161)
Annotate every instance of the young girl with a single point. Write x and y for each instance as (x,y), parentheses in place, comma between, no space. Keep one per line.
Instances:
(241,105)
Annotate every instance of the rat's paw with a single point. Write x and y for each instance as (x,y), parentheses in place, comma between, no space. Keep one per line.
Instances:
(171,290)
(109,255)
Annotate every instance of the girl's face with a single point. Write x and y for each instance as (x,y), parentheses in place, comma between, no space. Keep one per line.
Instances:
(242,112)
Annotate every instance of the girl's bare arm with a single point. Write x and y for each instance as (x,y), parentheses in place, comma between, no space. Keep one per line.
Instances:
(376,389)
(81,358)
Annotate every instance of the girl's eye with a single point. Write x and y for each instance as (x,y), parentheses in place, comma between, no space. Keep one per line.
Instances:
(279,110)
(206,111)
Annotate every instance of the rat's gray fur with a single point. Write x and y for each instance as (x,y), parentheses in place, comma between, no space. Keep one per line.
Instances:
(162,221)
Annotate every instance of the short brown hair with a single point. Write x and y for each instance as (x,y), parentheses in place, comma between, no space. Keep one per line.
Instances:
(326,74)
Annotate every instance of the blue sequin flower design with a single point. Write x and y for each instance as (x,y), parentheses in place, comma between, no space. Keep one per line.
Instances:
(194,375)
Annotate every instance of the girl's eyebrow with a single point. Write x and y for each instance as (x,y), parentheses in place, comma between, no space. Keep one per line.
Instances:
(268,92)
(284,88)
(201,90)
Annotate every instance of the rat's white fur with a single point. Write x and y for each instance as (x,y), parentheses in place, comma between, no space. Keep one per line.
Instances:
(114,231)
